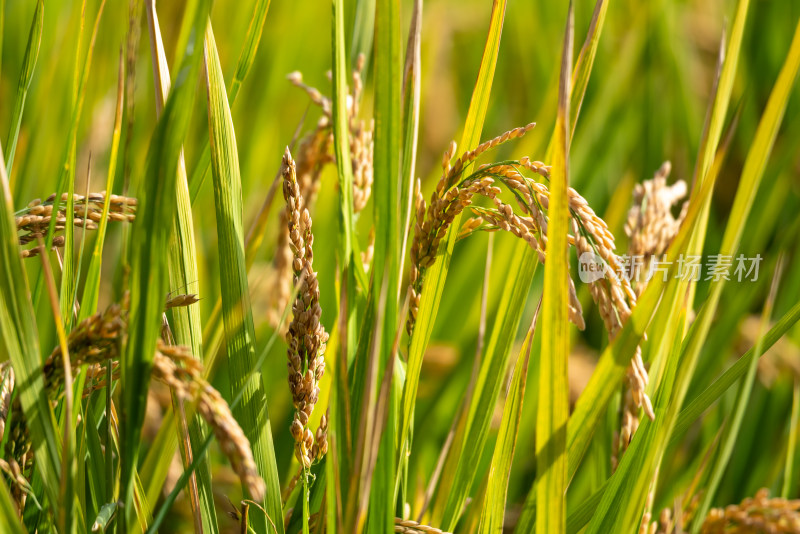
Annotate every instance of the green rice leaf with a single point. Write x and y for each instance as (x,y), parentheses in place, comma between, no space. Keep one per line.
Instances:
(411,104)
(2,28)
(104,517)
(91,291)
(339,401)
(468,444)
(25,77)
(411,98)
(436,274)
(347,236)
(363,31)
(386,260)
(9,522)
(699,404)
(723,85)
(246,59)
(732,425)
(183,277)
(67,179)
(252,414)
(610,369)
(149,240)
(553,405)
(790,468)
(156,465)
(494,506)
(583,65)
(581,75)
(636,471)
(388,135)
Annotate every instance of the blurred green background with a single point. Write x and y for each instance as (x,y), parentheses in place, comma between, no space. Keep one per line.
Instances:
(645,104)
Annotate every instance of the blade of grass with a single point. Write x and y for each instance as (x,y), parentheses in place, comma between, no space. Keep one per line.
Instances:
(25,77)
(733,424)
(386,219)
(610,369)
(436,274)
(553,406)
(459,421)
(363,32)
(664,323)
(522,252)
(790,468)
(493,514)
(155,466)
(344,167)
(9,521)
(722,96)
(96,464)
(643,439)
(149,277)
(105,516)
(411,97)
(253,415)
(699,404)
(67,178)
(715,120)
(183,273)
(247,57)
(388,91)
(91,291)
(583,65)
(346,238)
(2,30)
(471,436)
(357,501)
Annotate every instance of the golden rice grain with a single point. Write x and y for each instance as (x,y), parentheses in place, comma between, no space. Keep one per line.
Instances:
(33,222)
(306,336)
(757,514)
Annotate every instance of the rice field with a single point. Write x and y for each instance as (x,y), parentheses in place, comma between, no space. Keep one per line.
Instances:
(399,266)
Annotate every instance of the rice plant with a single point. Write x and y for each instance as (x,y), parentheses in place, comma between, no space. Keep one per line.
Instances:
(383,266)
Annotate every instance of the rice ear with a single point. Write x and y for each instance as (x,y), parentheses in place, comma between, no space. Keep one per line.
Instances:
(306,336)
